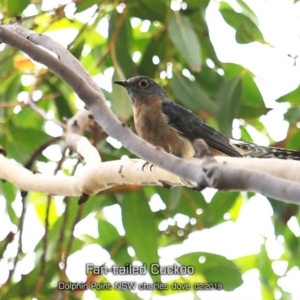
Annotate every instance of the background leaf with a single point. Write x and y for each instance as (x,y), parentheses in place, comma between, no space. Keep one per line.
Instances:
(246,29)
(191,95)
(229,100)
(15,7)
(215,269)
(185,40)
(140,229)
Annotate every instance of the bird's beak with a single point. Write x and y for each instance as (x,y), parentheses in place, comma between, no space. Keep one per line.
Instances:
(123,83)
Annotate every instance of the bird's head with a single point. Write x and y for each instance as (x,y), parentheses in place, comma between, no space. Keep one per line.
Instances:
(141,87)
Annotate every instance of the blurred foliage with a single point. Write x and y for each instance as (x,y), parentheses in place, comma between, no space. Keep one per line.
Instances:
(143,37)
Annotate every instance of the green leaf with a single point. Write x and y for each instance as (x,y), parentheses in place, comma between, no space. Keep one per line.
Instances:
(156,46)
(120,102)
(246,29)
(195,5)
(215,269)
(145,10)
(86,4)
(121,256)
(293,142)
(267,275)
(62,100)
(39,201)
(200,26)
(175,196)
(208,79)
(245,136)
(59,226)
(252,104)
(16,7)
(115,294)
(181,200)
(191,95)
(247,11)
(9,191)
(219,205)
(229,100)
(184,38)
(208,51)
(29,138)
(292,97)
(108,234)
(140,227)
(293,114)
(62,24)
(246,263)
(249,112)
(26,286)
(19,142)
(251,95)
(13,87)
(189,202)
(77,48)
(26,119)
(120,53)
(7,65)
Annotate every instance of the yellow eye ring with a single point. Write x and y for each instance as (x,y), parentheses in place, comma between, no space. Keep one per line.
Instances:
(143,83)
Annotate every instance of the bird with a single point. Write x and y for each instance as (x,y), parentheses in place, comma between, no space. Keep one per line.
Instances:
(165,124)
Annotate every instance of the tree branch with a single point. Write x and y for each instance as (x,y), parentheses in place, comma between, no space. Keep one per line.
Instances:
(97,176)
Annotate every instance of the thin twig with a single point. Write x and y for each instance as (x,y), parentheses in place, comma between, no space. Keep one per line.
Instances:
(63,255)
(70,244)
(59,164)
(22,104)
(39,150)
(41,277)
(43,113)
(20,227)
(60,246)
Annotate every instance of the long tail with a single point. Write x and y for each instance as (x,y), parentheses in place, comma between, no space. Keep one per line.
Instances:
(253,150)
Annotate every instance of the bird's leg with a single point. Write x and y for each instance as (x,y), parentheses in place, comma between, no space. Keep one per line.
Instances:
(202,151)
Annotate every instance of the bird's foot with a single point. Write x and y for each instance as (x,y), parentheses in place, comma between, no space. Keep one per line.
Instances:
(201,148)
(146,164)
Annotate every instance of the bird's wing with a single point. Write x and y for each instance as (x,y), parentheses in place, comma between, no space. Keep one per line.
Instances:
(192,127)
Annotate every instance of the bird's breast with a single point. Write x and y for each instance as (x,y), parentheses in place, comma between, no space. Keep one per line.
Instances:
(152,125)
(149,122)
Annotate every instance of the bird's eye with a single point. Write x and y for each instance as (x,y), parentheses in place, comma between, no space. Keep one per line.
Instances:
(143,83)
